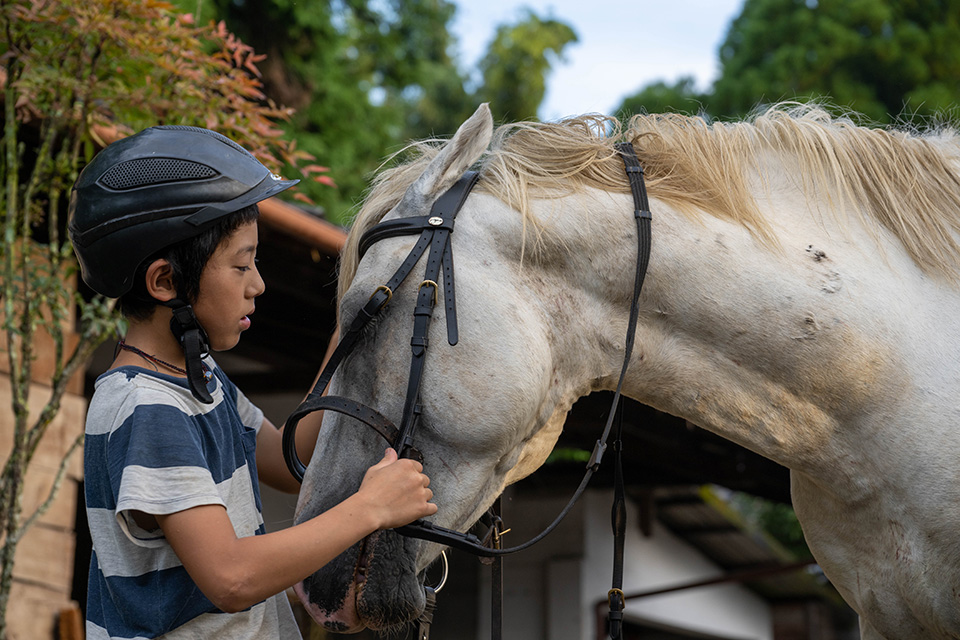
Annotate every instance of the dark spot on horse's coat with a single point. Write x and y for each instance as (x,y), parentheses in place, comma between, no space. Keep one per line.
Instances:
(817,254)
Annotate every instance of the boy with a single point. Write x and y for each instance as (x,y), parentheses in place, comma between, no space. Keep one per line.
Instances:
(165,220)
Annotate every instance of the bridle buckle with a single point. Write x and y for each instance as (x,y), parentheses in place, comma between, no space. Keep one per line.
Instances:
(383,287)
(432,284)
(619,594)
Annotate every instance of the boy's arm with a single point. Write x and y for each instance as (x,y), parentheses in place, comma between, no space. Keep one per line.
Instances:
(271,468)
(236,573)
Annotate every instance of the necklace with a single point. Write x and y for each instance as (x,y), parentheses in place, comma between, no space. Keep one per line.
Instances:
(146,356)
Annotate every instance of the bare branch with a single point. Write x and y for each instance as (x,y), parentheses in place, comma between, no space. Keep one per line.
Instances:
(54,490)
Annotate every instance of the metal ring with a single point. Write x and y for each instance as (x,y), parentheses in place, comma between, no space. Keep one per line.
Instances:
(446,572)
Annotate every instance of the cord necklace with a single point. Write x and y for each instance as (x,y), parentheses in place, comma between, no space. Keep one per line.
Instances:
(146,356)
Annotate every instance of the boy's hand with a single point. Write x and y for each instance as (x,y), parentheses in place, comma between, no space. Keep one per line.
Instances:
(396,491)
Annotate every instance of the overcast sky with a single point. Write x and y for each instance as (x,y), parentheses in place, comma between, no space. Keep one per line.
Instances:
(623,45)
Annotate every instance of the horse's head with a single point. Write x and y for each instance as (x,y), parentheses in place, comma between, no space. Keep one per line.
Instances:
(485,401)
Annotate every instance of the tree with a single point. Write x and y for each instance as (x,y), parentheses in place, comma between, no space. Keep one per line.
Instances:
(882,58)
(366,76)
(72,72)
(886,59)
(362,75)
(661,97)
(517,62)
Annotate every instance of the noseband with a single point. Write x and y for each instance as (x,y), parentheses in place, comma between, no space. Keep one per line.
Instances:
(435,230)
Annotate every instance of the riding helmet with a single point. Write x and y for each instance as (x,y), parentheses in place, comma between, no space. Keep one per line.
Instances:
(153,189)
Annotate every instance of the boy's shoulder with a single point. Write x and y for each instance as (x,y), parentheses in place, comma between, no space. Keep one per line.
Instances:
(122,392)
(128,383)
(129,387)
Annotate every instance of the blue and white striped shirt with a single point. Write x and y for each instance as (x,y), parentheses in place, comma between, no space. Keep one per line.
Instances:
(152,447)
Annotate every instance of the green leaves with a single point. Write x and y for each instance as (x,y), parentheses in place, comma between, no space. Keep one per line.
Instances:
(887,59)
(517,63)
(367,76)
(76,74)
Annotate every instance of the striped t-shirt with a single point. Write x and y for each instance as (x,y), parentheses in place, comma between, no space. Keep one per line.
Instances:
(152,447)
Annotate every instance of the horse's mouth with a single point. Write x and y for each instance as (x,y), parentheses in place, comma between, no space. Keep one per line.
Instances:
(372,587)
(360,569)
(347,618)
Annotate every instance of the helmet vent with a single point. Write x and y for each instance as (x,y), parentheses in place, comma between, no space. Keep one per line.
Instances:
(151,171)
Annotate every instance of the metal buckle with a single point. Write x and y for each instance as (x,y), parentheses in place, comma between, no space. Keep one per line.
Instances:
(615,592)
(435,288)
(384,288)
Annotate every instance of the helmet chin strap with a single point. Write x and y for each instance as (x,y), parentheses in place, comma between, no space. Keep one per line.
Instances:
(193,341)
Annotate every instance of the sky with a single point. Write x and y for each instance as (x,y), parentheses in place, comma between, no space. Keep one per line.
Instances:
(623,45)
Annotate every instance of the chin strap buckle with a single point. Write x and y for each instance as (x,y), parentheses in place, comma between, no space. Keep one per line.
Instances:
(193,340)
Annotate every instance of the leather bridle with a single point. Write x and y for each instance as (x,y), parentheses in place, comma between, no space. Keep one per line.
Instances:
(435,230)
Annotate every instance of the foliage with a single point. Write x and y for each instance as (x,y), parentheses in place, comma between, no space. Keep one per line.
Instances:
(660,97)
(774,518)
(886,59)
(516,64)
(366,76)
(878,57)
(354,70)
(74,73)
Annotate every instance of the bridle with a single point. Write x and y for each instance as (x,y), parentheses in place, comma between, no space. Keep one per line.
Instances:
(435,230)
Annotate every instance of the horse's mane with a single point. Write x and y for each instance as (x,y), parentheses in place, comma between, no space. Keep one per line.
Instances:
(905,181)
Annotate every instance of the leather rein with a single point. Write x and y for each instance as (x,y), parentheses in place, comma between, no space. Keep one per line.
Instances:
(434,235)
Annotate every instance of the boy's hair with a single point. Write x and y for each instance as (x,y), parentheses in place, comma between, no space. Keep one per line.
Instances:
(187,258)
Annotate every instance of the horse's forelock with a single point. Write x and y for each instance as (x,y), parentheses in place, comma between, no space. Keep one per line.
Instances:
(385,193)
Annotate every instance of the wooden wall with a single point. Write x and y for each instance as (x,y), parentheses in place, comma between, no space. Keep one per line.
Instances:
(43,568)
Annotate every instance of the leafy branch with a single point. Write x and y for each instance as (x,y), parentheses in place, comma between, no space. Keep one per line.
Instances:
(76,74)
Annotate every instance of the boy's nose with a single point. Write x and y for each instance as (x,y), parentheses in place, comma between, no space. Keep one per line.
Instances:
(258,284)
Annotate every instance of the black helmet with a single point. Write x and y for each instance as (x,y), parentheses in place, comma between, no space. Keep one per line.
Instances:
(154,189)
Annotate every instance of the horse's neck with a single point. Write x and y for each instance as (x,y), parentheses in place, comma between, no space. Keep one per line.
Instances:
(802,352)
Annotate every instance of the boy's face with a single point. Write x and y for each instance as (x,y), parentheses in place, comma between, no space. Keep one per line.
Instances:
(228,285)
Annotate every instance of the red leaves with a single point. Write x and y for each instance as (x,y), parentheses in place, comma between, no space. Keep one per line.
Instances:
(136,63)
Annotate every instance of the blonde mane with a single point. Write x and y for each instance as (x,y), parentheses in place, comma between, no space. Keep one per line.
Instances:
(903,181)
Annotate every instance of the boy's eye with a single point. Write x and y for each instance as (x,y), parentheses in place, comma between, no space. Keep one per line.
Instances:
(247,267)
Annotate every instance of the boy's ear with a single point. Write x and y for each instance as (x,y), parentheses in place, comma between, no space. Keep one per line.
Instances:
(159,280)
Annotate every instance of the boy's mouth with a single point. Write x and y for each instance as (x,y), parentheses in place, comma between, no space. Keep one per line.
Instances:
(245,323)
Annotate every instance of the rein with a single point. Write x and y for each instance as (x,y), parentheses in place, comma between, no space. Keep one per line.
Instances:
(435,230)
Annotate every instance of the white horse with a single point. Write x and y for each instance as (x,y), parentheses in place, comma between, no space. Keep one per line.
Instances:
(802,300)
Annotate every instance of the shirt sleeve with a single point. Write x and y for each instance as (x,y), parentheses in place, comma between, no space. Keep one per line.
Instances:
(158,466)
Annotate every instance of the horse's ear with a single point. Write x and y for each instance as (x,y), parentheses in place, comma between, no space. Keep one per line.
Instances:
(466,146)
